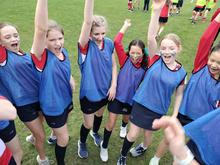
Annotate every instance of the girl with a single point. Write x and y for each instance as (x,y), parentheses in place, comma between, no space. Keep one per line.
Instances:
(152,99)
(209,6)
(99,74)
(7,112)
(18,79)
(54,72)
(199,8)
(203,87)
(133,65)
(163,17)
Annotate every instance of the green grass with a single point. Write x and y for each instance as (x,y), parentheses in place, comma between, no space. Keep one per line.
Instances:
(69,14)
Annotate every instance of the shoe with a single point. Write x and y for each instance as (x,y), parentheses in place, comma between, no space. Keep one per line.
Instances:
(103,153)
(96,137)
(42,162)
(123,132)
(30,139)
(193,22)
(138,150)
(121,160)
(52,140)
(154,161)
(82,150)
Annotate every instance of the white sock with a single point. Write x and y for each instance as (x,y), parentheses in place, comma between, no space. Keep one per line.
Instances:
(156,158)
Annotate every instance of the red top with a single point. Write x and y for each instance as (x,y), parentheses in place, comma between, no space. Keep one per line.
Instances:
(165,11)
(119,48)
(40,63)
(3,54)
(5,157)
(205,45)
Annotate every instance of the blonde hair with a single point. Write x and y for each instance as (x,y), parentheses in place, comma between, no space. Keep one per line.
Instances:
(98,21)
(53,25)
(175,38)
(3,24)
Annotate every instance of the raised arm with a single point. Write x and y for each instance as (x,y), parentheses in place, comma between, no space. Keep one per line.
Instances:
(154,26)
(40,28)
(7,110)
(205,43)
(118,42)
(87,23)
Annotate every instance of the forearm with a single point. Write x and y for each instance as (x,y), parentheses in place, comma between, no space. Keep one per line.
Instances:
(114,73)
(152,32)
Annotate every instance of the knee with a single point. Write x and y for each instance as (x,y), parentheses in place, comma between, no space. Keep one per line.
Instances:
(62,140)
(132,136)
(88,125)
(110,125)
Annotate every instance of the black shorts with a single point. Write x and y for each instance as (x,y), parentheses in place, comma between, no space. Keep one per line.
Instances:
(29,112)
(143,117)
(118,107)
(199,9)
(89,107)
(60,120)
(163,19)
(195,151)
(8,133)
(183,119)
(209,9)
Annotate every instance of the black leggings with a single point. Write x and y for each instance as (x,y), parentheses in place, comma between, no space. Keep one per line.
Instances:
(146,4)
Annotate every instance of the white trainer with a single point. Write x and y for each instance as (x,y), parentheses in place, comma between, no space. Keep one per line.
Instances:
(123,132)
(30,139)
(154,161)
(43,162)
(103,153)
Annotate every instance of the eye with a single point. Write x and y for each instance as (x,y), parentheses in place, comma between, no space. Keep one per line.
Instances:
(51,40)
(103,33)
(96,34)
(16,35)
(60,38)
(7,37)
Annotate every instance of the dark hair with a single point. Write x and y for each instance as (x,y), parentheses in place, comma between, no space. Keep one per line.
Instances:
(215,48)
(53,25)
(141,45)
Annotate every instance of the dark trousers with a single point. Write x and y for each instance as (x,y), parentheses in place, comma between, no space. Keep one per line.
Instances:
(146,4)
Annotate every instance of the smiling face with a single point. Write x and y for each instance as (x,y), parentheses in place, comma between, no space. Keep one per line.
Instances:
(9,38)
(136,54)
(214,64)
(98,34)
(168,50)
(55,41)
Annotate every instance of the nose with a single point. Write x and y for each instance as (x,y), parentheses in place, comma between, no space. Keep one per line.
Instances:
(58,43)
(100,37)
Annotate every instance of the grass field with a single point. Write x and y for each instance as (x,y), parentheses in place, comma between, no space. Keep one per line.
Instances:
(69,14)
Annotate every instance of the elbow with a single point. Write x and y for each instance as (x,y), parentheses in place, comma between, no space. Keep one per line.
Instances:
(151,39)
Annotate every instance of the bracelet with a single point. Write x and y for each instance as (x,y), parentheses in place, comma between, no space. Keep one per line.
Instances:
(187,160)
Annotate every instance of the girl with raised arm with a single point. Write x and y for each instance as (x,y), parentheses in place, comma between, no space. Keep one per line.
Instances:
(98,74)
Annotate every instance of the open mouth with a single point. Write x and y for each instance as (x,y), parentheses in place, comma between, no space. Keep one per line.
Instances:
(58,49)
(167,57)
(15,45)
(213,70)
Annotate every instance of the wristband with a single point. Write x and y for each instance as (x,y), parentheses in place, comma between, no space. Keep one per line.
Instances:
(187,160)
